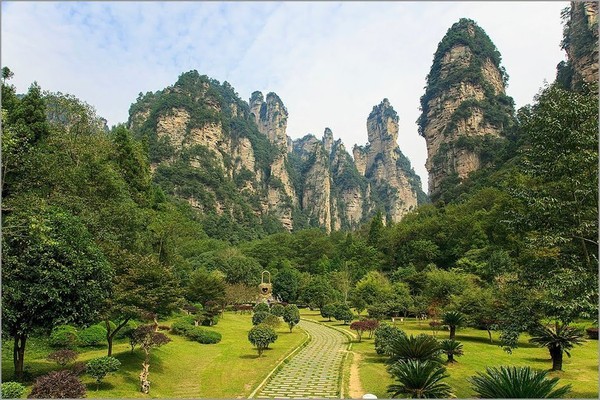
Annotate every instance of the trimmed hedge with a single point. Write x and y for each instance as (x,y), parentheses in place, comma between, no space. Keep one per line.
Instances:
(95,335)
(63,336)
(185,327)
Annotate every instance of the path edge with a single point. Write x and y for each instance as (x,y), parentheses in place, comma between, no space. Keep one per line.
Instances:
(280,363)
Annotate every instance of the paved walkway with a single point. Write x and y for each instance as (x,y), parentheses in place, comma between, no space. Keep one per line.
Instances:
(314,372)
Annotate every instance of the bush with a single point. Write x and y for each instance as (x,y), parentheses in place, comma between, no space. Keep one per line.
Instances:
(261,336)
(99,367)
(11,390)
(277,310)
(203,336)
(58,385)
(182,325)
(62,357)
(92,336)
(384,335)
(164,327)
(185,327)
(261,307)
(272,320)
(259,316)
(592,333)
(419,348)
(63,336)
(359,327)
(291,315)
(328,311)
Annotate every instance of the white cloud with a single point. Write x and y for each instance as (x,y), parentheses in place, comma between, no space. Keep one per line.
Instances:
(329,62)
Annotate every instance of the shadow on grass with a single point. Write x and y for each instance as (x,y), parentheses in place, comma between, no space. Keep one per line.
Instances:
(538,359)
(484,340)
(92,387)
(249,356)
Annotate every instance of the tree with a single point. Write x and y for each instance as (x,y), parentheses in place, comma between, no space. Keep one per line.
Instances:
(373,288)
(62,357)
(277,310)
(205,286)
(76,275)
(360,327)
(99,367)
(6,74)
(318,292)
(259,317)
(328,311)
(453,319)
(420,380)
(516,383)
(261,336)
(291,315)
(343,313)
(141,286)
(559,340)
(262,307)
(148,339)
(451,348)
(287,284)
(58,385)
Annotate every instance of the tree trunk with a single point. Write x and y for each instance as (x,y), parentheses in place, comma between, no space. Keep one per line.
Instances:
(19,354)
(144,382)
(450,358)
(452,331)
(490,335)
(111,335)
(557,358)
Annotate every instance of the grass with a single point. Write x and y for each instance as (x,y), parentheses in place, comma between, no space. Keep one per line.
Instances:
(581,370)
(182,368)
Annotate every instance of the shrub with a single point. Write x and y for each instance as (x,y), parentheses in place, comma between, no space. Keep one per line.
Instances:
(516,383)
(371,325)
(272,320)
(11,390)
(435,326)
(98,368)
(182,325)
(78,368)
(360,327)
(261,307)
(63,336)
(451,348)
(185,327)
(62,357)
(291,315)
(328,311)
(384,335)
(592,333)
(92,336)
(343,313)
(259,316)
(164,327)
(58,385)
(202,335)
(421,347)
(453,319)
(261,336)
(277,310)
(419,379)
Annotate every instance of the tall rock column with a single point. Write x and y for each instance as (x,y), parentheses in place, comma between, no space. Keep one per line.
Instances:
(271,117)
(464,108)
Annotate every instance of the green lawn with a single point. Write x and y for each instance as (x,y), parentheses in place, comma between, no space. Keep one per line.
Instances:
(581,370)
(181,368)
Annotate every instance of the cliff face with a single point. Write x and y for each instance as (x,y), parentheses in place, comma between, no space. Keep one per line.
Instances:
(234,162)
(580,41)
(393,185)
(464,108)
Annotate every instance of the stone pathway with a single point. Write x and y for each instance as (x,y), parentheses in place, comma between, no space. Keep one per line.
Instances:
(314,372)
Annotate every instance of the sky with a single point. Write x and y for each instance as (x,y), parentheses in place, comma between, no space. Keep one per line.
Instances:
(330,62)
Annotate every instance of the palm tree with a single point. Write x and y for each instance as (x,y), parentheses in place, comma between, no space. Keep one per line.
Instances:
(420,380)
(453,319)
(558,340)
(421,347)
(516,383)
(451,348)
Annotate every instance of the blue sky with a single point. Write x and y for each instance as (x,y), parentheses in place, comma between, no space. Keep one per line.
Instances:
(330,62)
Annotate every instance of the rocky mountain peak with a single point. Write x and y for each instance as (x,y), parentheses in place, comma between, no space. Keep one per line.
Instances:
(271,117)
(328,140)
(464,105)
